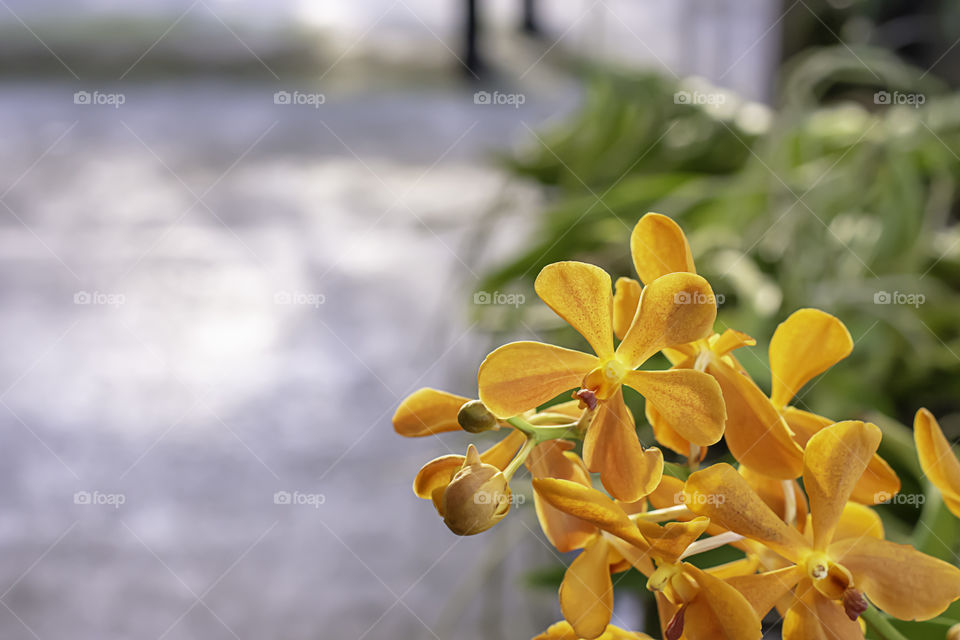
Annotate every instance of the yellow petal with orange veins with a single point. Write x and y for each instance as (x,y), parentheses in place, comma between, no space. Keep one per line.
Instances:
(746,566)
(833,462)
(813,617)
(591,505)
(639,559)
(427,411)
(521,376)
(937,459)
(563,631)
(877,484)
(668,542)
(719,612)
(586,593)
(772,492)
(436,474)
(549,460)
(721,494)
(689,401)
(626,296)
(570,408)
(763,590)
(659,247)
(674,309)
(669,493)
(755,433)
(806,344)
(858,520)
(612,449)
(581,294)
(731,339)
(900,580)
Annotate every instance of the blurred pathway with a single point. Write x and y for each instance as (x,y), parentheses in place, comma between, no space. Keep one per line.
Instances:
(209,298)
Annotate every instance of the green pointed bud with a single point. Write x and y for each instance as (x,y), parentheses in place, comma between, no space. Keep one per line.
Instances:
(474,417)
(477,497)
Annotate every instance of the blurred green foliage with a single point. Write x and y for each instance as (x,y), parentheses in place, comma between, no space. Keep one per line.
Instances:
(834,200)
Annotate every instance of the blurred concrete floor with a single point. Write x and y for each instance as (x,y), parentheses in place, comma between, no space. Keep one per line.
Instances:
(207,299)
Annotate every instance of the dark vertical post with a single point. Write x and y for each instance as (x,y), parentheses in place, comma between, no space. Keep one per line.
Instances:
(472,53)
(529,24)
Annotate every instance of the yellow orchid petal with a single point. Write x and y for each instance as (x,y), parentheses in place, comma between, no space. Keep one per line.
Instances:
(900,580)
(436,474)
(581,294)
(721,494)
(814,617)
(937,459)
(723,343)
(639,559)
(755,433)
(520,376)
(719,611)
(427,411)
(771,491)
(806,344)
(611,448)
(591,505)
(664,434)
(878,483)
(570,408)
(858,520)
(764,590)
(626,296)
(586,593)
(553,459)
(833,462)
(659,247)
(689,401)
(674,309)
(746,566)
(563,631)
(500,454)
(668,542)
(668,493)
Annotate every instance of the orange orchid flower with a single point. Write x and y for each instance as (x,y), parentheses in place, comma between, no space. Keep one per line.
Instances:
(563,631)
(672,310)
(834,567)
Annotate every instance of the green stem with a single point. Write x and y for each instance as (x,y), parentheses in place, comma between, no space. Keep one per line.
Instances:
(542,433)
(880,626)
(521,457)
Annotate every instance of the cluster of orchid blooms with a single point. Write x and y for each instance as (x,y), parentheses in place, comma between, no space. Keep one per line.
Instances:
(817,553)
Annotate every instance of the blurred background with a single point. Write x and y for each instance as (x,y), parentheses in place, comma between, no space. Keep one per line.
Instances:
(236,233)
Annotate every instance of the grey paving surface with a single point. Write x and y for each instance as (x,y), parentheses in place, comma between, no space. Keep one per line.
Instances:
(152,355)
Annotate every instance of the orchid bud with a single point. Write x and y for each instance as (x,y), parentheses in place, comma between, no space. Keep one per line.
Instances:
(474,417)
(477,497)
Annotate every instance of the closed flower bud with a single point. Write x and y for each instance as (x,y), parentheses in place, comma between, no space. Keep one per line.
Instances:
(477,497)
(474,417)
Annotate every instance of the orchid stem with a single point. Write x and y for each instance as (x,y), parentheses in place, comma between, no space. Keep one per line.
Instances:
(880,626)
(713,542)
(542,433)
(521,457)
(662,515)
